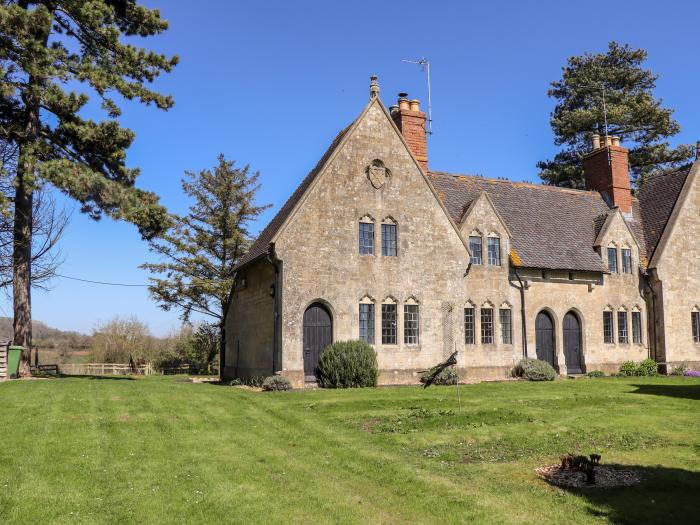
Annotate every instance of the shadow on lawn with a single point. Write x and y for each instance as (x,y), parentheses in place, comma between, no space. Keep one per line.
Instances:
(86,376)
(665,495)
(682,391)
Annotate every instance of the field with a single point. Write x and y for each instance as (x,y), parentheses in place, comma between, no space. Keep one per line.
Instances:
(162,450)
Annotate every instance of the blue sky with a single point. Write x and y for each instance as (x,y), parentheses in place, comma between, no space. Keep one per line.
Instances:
(271,83)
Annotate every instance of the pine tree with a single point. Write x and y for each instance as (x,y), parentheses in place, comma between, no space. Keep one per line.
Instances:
(200,252)
(618,81)
(48,49)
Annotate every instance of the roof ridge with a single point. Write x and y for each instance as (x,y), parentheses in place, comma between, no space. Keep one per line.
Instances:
(671,171)
(547,187)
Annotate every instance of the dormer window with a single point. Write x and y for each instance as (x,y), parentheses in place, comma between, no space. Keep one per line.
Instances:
(494,251)
(475,248)
(626,256)
(612,259)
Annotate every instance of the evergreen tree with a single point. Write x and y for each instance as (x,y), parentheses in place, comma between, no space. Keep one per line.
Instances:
(618,80)
(200,252)
(48,49)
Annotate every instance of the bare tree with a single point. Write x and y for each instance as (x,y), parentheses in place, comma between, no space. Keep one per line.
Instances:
(49,221)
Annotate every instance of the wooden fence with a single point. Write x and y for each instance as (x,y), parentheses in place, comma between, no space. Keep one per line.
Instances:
(118,369)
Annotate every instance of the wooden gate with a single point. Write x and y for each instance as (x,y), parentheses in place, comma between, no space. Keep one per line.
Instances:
(572,344)
(318,334)
(544,332)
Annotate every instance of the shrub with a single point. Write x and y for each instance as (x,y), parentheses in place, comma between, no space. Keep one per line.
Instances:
(627,369)
(537,370)
(648,367)
(347,364)
(680,369)
(519,369)
(447,377)
(276,383)
(596,373)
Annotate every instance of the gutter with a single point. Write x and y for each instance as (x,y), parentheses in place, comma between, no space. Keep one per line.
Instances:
(647,281)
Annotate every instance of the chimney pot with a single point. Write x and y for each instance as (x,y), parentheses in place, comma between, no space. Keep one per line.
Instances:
(414,105)
(595,141)
(403,102)
(615,140)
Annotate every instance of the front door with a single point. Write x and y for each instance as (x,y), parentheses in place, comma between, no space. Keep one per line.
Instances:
(318,334)
(572,344)
(544,332)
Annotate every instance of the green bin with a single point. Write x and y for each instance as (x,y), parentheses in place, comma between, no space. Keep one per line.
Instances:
(14,356)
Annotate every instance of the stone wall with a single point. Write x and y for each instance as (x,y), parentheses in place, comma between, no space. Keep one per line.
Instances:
(319,250)
(678,279)
(250,323)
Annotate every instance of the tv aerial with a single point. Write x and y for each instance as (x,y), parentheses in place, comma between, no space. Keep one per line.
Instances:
(425,66)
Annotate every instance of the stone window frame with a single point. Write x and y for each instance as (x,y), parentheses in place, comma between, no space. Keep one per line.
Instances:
(610,247)
(367,219)
(410,339)
(695,324)
(623,331)
(372,319)
(499,260)
(622,267)
(505,307)
(637,336)
(389,221)
(388,301)
(608,336)
(478,261)
(469,305)
(487,310)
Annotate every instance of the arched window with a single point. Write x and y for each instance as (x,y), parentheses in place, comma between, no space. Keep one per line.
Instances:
(608,325)
(366,235)
(469,323)
(505,319)
(636,325)
(475,247)
(366,319)
(494,250)
(389,321)
(626,259)
(389,238)
(622,330)
(612,258)
(487,323)
(411,322)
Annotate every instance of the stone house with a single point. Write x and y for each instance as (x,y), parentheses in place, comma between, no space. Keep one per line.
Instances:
(374,245)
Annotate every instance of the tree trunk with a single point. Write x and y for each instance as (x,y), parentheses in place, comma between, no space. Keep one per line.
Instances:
(22,267)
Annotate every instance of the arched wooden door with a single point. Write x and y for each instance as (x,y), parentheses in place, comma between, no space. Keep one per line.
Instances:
(318,334)
(544,338)
(572,344)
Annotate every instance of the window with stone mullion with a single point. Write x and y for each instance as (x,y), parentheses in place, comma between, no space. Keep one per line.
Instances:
(487,326)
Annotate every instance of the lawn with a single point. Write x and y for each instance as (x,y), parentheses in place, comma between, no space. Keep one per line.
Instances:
(161,450)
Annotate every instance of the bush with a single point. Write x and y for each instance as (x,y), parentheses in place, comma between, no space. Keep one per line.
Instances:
(276,383)
(648,367)
(534,370)
(680,369)
(447,377)
(347,364)
(627,369)
(596,373)
(519,369)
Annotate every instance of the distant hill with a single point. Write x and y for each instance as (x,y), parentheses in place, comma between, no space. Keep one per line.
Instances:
(44,336)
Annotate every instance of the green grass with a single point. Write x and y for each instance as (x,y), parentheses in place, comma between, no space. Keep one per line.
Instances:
(159,450)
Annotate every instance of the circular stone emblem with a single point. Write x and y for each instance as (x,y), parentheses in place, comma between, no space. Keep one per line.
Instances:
(377,173)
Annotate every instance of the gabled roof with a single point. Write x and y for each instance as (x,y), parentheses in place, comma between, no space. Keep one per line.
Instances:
(658,197)
(552,228)
(261,244)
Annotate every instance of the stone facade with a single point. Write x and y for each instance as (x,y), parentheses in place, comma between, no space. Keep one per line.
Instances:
(372,175)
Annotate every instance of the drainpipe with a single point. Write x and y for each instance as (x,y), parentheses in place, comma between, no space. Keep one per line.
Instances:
(523,314)
(647,281)
(276,291)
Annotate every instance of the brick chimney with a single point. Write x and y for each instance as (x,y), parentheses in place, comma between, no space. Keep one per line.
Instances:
(606,169)
(411,122)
